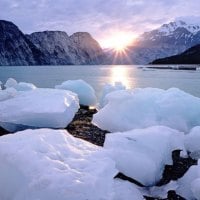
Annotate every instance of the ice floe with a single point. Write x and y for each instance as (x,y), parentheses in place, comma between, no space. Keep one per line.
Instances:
(143,153)
(39,108)
(141,108)
(85,92)
(51,164)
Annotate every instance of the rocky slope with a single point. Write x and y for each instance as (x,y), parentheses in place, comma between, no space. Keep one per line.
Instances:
(79,48)
(16,49)
(190,56)
(46,48)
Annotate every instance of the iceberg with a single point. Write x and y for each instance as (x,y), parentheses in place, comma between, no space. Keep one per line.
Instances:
(52,164)
(39,108)
(143,153)
(141,108)
(85,92)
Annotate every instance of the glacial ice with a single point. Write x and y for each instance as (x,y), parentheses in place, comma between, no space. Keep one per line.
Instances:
(142,153)
(108,88)
(11,82)
(21,86)
(192,142)
(185,187)
(85,92)
(124,190)
(7,94)
(39,108)
(141,108)
(53,165)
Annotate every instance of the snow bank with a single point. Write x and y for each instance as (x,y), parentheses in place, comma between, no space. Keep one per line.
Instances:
(39,108)
(0,85)
(108,88)
(85,92)
(142,153)
(51,164)
(141,108)
(124,190)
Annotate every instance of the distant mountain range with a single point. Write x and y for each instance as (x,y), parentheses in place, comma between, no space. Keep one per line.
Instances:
(57,48)
(170,39)
(190,56)
(46,48)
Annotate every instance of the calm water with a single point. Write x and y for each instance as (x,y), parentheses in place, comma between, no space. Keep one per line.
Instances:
(97,76)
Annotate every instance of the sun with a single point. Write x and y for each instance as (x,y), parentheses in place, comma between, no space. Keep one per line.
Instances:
(118,41)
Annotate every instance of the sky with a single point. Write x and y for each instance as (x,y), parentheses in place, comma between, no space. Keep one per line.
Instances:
(103,19)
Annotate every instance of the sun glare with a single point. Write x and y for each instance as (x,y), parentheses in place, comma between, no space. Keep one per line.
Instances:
(118,41)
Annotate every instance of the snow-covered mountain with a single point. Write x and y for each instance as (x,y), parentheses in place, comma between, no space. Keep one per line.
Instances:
(170,39)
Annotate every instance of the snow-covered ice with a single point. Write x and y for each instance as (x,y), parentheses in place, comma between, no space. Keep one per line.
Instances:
(108,88)
(124,190)
(11,82)
(185,187)
(192,142)
(53,165)
(142,153)
(21,86)
(141,108)
(85,92)
(7,94)
(39,108)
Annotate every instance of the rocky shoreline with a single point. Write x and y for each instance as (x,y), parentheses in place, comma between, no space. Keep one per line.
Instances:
(81,127)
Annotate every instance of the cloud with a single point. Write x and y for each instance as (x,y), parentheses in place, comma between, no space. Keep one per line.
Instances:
(99,17)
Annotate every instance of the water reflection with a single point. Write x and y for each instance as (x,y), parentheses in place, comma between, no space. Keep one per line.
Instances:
(120,74)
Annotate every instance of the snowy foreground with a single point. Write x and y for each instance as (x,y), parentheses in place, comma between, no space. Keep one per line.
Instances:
(146,125)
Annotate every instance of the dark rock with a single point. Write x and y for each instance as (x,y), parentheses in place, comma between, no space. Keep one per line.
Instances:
(81,127)
(178,169)
(3,132)
(126,178)
(173,196)
(190,56)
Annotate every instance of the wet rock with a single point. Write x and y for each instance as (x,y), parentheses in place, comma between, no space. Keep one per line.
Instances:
(81,127)
(3,132)
(178,169)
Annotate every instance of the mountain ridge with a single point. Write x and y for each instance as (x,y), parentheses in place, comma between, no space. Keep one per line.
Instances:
(47,47)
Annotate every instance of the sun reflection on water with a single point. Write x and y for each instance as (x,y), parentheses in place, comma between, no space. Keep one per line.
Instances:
(120,74)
